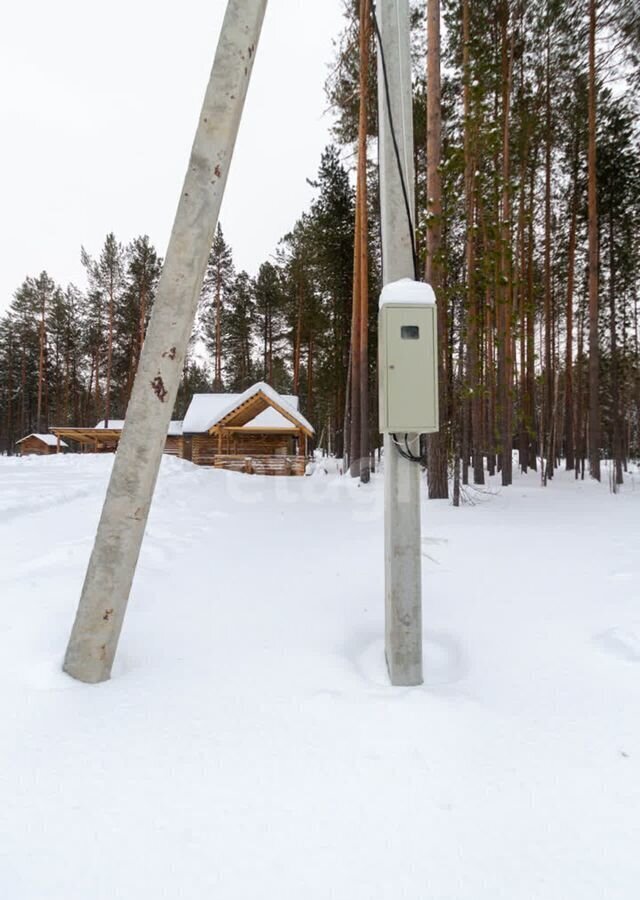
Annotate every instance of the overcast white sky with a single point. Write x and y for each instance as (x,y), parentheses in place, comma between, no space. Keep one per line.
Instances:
(98,108)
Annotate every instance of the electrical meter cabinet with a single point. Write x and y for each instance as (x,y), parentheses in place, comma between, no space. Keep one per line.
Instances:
(408,358)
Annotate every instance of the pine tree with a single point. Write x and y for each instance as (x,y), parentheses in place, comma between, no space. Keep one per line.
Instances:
(331,228)
(8,381)
(239,323)
(269,321)
(106,277)
(141,280)
(218,281)
(26,314)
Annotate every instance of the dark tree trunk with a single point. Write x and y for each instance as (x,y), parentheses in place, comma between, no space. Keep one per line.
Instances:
(505,360)
(615,369)
(594,353)
(40,424)
(437,468)
(361,200)
(569,441)
(547,418)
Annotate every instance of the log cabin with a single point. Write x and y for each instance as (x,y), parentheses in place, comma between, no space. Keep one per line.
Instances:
(258,432)
(40,445)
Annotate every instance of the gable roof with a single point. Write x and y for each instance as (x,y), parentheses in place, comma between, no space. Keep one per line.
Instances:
(49,439)
(269,418)
(262,407)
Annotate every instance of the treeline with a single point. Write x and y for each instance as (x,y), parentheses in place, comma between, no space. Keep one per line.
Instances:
(527,161)
(527,158)
(69,356)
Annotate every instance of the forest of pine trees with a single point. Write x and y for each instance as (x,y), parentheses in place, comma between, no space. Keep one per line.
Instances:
(527,153)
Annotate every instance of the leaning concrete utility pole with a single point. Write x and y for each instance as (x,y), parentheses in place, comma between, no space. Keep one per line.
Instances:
(403,562)
(94,638)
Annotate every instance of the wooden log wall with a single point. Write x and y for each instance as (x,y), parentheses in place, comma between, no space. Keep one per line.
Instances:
(34,447)
(174,446)
(204,447)
(262,465)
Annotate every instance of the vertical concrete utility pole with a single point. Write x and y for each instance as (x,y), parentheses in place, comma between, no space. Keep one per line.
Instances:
(403,562)
(94,638)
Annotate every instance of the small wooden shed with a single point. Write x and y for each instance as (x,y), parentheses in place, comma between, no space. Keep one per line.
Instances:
(40,445)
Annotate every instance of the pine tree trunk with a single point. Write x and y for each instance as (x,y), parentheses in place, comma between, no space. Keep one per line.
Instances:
(594,352)
(97,377)
(580,389)
(265,346)
(519,347)
(505,360)
(310,375)
(523,449)
(40,425)
(362,200)
(470,405)
(615,371)
(141,327)
(530,399)
(346,421)
(218,369)
(437,463)
(107,394)
(489,406)
(23,392)
(10,434)
(67,386)
(87,398)
(269,349)
(297,346)
(569,444)
(354,354)
(45,397)
(490,367)
(548,366)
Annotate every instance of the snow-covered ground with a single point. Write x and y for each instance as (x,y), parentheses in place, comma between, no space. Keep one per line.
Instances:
(249,745)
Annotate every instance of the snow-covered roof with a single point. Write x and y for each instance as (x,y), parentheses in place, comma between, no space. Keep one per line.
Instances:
(203,411)
(407,292)
(206,410)
(175,426)
(49,439)
(114,424)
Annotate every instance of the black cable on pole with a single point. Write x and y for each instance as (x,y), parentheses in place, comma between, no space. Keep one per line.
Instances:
(407,454)
(394,139)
